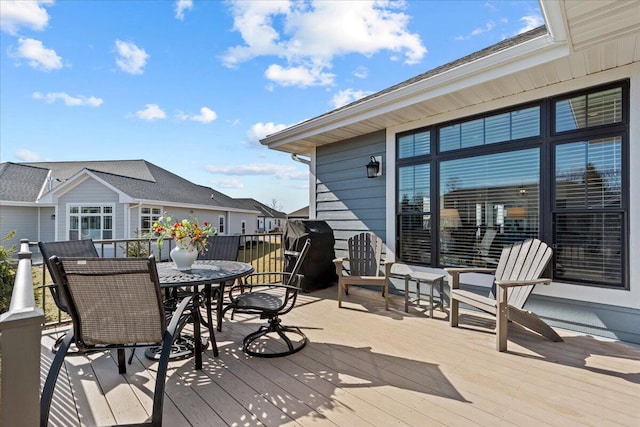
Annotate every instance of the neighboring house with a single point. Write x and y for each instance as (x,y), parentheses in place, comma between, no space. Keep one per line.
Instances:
(302,213)
(269,219)
(47,201)
(538,135)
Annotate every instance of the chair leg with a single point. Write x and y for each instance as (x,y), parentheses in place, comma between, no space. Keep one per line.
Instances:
(52,377)
(453,311)
(339,294)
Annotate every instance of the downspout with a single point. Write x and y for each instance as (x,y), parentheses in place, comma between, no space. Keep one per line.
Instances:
(295,157)
(127,220)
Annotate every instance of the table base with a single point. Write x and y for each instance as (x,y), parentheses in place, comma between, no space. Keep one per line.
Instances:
(181,348)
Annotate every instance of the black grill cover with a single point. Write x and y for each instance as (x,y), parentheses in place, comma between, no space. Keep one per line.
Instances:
(318,268)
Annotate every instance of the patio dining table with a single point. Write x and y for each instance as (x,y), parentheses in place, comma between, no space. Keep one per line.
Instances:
(205,273)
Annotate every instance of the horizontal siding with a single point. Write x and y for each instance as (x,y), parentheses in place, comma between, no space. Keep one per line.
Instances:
(345,198)
(22,220)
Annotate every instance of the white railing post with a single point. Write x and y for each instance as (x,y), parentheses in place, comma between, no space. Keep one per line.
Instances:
(20,335)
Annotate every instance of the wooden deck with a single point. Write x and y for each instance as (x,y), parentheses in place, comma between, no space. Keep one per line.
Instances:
(364,366)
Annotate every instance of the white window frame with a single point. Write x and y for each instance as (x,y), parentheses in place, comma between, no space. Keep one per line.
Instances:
(102,216)
(221,224)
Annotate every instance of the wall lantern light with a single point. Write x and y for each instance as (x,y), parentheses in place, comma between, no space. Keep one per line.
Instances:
(374,167)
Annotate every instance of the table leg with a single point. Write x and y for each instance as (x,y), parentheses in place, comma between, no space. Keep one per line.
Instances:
(431,299)
(219,306)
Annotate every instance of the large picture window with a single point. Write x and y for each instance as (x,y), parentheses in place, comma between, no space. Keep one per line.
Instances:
(554,170)
(90,222)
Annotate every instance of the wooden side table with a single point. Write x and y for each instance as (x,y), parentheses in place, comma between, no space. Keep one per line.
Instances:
(403,271)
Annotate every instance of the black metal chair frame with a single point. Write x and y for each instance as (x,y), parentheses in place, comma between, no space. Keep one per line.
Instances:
(255,298)
(224,248)
(75,334)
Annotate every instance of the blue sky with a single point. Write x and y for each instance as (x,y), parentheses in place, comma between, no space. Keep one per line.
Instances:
(191,86)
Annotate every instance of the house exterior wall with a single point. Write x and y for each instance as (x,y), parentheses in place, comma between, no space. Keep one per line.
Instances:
(20,219)
(350,202)
(90,192)
(235,223)
(345,198)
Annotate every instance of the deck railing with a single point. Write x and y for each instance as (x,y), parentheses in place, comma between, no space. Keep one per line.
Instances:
(21,326)
(20,336)
(263,251)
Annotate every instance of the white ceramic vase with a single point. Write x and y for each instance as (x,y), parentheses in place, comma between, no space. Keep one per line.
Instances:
(183,258)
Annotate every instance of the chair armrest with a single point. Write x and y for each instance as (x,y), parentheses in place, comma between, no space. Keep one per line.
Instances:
(455,273)
(514,283)
(338,264)
(469,270)
(387,267)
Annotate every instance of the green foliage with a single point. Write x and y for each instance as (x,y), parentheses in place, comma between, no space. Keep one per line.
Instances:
(139,249)
(7,273)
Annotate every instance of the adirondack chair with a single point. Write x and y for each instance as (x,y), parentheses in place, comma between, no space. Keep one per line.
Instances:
(365,259)
(518,271)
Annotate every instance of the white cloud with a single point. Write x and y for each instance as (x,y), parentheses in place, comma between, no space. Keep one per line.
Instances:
(131,59)
(181,6)
(151,112)
(308,35)
(37,55)
(206,115)
(476,32)
(298,76)
(530,22)
(27,156)
(361,72)
(284,172)
(347,96)
(230,183)
(260,130)
(68,100)
(17,14)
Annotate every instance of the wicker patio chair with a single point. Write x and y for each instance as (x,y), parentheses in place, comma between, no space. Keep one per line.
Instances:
(115,303)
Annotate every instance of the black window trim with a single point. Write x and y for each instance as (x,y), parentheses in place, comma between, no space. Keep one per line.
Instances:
(546,141)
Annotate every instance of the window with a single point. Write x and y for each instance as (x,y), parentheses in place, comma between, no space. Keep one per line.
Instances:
(221,224)
(147,217)
(555,169)
(243,227)
(90,222)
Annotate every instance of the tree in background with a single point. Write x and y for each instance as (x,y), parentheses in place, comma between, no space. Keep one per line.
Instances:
(7,273)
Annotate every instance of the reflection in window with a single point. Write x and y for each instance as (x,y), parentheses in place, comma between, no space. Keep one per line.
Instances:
(415,144)
(489,200)
(90,222)
(503,127)
(588,110)
(589,174)
(414,208)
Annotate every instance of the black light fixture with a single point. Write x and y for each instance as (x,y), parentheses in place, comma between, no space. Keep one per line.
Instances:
(374,167)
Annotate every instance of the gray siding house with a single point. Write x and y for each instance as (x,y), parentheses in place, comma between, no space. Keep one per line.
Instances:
(536,136)
(269,219)
(48,201)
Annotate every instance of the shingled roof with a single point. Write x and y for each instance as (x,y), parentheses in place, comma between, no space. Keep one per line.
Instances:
(138,179)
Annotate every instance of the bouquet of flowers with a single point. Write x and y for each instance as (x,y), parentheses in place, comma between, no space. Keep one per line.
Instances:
(186,233)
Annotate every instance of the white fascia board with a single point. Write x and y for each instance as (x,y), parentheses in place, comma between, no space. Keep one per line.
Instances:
(201,207)
(525,55)
(555,19)
(45,184)
(14,203)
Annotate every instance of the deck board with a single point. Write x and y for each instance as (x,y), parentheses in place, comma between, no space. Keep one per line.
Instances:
(367,366)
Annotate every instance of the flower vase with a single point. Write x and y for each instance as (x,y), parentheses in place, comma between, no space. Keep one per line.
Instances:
(183,258)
